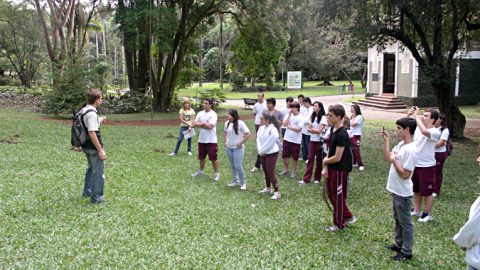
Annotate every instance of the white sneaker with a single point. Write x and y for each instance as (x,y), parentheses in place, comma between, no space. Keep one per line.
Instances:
(189,153)
(293,175)
(217,176)
(306,161)
(302,182)
(361,168)
(316,182)
(172,154)
(276,196)
(434,195)
(300,158)
(284,173)
(425,218)
(415,213)
(333,229)
(197,173)
(233,184)
(352,220)
(254,169)
(243,187)
(355,165)
(265,190)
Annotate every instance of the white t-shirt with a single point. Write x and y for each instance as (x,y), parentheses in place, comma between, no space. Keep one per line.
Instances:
(323,121)
(207,135)
(443,136)
(258,109)
(234,139)
(292,136)
(357,129)
(285,111)
(307,113)
(267,137)
(407,157)
(91,120)
(426,147)
(469,236)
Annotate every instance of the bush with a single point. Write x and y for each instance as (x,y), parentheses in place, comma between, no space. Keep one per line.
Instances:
(237,81)
(216,94)
(263,88)
(130,102)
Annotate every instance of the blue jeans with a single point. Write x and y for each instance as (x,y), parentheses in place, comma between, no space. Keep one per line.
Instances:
(94,177)
(305,143)
(403,223)
(180,139)
(235,158)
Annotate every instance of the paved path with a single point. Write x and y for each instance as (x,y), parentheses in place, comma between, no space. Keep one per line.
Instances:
(368,112)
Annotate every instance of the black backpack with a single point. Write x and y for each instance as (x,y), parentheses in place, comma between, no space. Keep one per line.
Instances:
(79,133)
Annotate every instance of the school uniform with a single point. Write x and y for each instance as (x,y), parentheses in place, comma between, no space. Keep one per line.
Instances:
(315,151)
(293,139)
(424,175)
(267,148)
(440,157)
(207,138)
(357,137)
(337,177)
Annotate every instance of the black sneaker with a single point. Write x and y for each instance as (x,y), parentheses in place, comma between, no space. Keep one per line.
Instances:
(401,257)
(394,248)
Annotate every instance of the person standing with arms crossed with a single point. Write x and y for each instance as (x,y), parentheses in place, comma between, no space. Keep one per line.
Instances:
(293,139)
(336,167)
(93,148)
(402,158)
(258,109)
(206,120)
(268,149)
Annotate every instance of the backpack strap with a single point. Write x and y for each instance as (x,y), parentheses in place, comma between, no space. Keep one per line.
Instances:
(81,118)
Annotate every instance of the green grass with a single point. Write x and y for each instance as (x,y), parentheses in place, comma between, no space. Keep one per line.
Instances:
(471,112)
(311,88)
(158,217)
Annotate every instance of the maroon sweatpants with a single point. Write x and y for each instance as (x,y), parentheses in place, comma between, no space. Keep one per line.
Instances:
(315,149)
(357,158)
(337,191)
(268,164)
(440,158)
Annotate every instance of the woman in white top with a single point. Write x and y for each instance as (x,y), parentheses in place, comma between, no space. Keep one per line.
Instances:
(267,148)
(357,126)
(441,153)
(316,123)
(235,134)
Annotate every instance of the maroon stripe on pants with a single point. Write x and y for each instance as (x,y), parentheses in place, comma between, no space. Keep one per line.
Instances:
(337,191)
(314,150)
(268,164)
(357,158)
(440,158)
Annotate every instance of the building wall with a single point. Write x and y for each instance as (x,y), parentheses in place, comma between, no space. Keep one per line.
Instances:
(373,85)
(404,80)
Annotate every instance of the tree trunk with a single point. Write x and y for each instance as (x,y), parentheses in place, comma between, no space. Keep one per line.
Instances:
(447,104)
(129,63)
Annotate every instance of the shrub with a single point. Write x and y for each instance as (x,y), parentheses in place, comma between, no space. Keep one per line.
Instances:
(263,88)
(216,94)
(127,103)
(237,81)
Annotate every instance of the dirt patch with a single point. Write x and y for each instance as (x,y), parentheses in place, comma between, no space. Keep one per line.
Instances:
(147,123)
(472,132)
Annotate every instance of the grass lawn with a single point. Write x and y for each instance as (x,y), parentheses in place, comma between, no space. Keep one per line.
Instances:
(311,88)
(472,112)
(158,217)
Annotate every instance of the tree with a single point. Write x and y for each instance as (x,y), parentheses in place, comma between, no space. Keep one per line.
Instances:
(20,41)
(434,31)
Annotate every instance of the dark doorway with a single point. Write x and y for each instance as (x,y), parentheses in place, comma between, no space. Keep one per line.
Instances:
(389,73)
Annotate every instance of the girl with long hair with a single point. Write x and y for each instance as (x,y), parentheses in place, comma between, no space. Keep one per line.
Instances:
(235,134)
(357,126)
(441,152)
(315,126)
(268,149)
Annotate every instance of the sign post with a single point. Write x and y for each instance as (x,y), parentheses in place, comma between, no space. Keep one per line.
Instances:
(294,80)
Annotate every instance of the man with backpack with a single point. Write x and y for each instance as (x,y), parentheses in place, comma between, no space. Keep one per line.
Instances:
(93,147)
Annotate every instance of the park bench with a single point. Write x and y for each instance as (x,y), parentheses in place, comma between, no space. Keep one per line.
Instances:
(249,102)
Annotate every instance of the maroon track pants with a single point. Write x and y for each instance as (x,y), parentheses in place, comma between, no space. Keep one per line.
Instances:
(357,158)
(315,149)
(440,158)
(268,164)
(337,192)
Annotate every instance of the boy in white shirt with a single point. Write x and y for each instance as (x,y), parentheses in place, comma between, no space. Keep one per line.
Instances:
(403,159)
(206,120)
(285,111)
(425,137)
(307,113)
(258,109)
(293,138)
